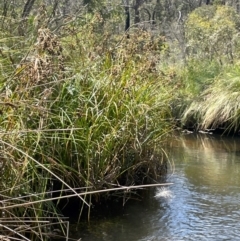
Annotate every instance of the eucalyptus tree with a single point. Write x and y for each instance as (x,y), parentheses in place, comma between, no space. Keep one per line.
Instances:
(212,33)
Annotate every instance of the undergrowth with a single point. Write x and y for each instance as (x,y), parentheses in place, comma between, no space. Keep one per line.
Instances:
(79,111)
(218,105)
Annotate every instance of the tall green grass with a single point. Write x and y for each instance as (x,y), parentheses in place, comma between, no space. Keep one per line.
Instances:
(88,110)
(218,105)
(187,82)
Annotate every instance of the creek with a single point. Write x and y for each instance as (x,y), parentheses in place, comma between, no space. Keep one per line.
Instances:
(202,204)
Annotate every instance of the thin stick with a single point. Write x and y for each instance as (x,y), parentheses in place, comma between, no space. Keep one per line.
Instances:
(38,130)
(85,193)
(14,232)
(63,182)
(21,198)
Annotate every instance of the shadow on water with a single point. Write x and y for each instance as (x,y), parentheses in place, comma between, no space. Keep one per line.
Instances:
(203,203)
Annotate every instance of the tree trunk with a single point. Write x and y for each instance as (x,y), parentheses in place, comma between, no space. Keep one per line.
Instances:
(127,13)
(5,8)
(27,8)
(136,8)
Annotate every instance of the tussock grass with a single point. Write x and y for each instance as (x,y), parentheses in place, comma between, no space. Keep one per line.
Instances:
(218,106)
(187,82)
(79,111)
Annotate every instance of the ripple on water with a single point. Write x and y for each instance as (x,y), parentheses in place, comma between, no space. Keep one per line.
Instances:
(200,214)
(203,204)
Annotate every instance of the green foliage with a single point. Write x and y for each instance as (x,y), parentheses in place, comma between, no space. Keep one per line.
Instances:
(218,106)
(198,75)
(211,32)
(188,82)
(82,109)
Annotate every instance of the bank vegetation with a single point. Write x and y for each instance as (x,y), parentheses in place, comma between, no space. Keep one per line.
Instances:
(90,92)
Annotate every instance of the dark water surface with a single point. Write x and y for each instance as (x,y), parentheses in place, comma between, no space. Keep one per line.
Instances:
(203,203)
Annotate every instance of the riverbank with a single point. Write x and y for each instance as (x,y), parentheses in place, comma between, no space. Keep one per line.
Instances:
(214,108)
(80,113)
(84,110)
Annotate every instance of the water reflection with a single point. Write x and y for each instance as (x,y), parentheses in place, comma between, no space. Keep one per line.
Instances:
(204,204)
